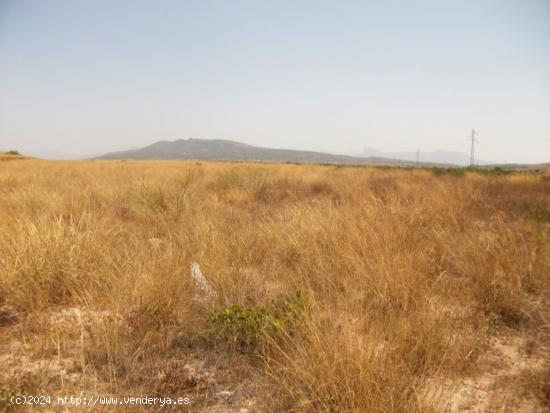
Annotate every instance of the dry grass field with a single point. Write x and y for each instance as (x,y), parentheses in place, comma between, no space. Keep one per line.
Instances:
(336,289)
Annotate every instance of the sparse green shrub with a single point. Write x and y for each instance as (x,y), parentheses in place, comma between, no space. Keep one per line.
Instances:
(498,171)
(540,215)
(392,167)
(448,171)
(251,327)
(13,152)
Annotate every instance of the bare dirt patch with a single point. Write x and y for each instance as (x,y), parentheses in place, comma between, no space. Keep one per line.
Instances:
(499,384)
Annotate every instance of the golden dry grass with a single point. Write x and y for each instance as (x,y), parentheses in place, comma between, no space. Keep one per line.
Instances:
(408,274)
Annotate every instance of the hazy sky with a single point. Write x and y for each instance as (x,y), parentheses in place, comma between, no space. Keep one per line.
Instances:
(85,77)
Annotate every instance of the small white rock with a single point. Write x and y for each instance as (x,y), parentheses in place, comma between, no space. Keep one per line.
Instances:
(201,281)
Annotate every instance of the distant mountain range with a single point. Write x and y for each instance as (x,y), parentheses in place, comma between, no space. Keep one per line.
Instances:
(226,150)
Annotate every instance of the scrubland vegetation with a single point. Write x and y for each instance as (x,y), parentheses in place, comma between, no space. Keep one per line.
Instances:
(10,155)
(338,289)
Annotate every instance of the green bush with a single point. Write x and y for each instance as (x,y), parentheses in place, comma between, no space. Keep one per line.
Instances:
(250,328)
(497,171)
(448,171)
(540,215)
